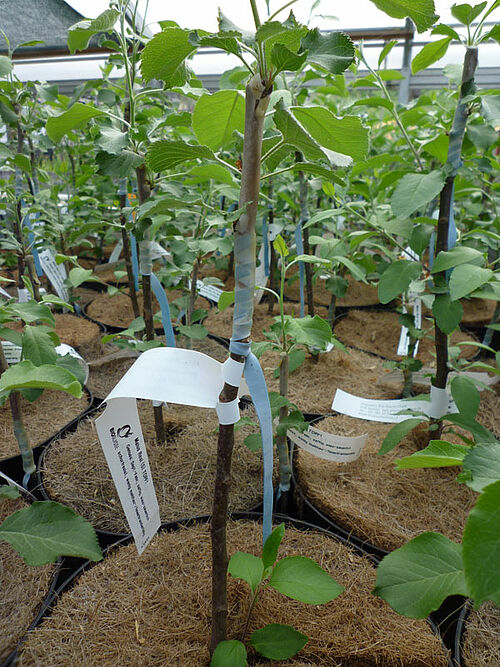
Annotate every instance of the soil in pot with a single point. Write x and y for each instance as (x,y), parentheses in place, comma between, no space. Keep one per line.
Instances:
(313,385)
(43,418)
(183,469)
(155,610)
(221,323)
(383,506)
(481,638)
(108,370)
(80,333)
(116,310)
(23,588)
(378,331)
(358,293)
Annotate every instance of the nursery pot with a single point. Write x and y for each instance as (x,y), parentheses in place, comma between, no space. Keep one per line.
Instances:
(169,589)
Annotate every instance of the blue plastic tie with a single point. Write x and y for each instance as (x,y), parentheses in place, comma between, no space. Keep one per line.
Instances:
(452,234)
(258,391)
(135,260)
(300,251)
(161,297)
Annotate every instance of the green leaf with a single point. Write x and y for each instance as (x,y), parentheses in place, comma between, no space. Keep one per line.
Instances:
(229,653)
(448,313)
(278,642)
(285,60)
(374,102)
(217,116)
(163,57)
(490,108)
(280,246)
(195,331)
(163,155)
(310,331)
(397,278)
(23,162)
(438,454)
(74,118)
(119,166)
(414,191)
(79,275)
(226,299)
(343,135)
(466,396)
(430,53)
(466,278)
(482,136)
(253,442)
(46,530)
(226,42)
(481,547)
(297,136)
(397,433)
(79,35)
(202,173)
(421,12)
(271,546)
(465,14)
(5,66)
(333,51)
(33,311)
(483,462)
(112,141)
(293,420)
(247,567)
(438,147)
(25,375)
(38,346)
(302,579)
(386,50)
(417,577)
(7,491)
(73,366)
(456,256)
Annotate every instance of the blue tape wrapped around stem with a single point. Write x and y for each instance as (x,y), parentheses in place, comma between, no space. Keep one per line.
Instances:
(256,383)
(299,244)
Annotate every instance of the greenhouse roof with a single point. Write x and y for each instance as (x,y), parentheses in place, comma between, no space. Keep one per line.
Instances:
(27,20)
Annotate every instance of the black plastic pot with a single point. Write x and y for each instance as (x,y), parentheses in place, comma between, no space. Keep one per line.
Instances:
(63,584)
(13,467)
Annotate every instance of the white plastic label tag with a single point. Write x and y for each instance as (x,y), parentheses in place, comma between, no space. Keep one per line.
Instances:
(327,445)
(387,411)
(55,273)
(167,375)
(404,338)
(12,352)
(122,441)
(209,291)
(23,295)
(117,251)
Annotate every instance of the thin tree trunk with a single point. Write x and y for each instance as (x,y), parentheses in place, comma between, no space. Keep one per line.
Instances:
(128,259)
(304,217)
(144,192)
(256,102)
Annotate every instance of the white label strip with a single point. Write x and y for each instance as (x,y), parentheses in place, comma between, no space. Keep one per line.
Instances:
(209,291)
(55,273)
(23,295)
(121,438)
(12,352)
(117,251)
(385,411)
(404,338)
(327,445)
(166,375)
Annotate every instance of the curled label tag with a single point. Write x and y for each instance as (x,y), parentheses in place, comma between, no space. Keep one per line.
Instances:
(209,291)
(328,445)
(166,375)
(55,273)
(387,410)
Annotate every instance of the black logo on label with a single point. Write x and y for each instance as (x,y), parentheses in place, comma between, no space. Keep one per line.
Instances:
(124,431)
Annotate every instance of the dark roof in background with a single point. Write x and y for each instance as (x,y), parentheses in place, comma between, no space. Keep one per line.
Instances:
(26,20)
